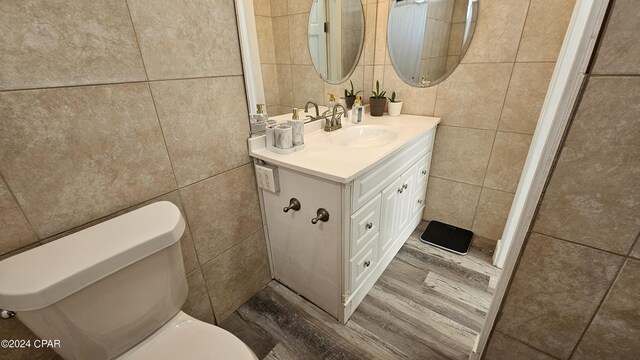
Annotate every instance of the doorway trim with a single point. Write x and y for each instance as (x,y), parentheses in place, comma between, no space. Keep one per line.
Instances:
(567,80)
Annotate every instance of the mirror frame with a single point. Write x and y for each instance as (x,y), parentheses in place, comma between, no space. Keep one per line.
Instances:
(361,48)
(472,21)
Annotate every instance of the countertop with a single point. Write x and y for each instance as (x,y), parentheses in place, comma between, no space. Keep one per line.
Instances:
(324,159)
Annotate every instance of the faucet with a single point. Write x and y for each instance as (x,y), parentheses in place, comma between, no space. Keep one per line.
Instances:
(335,122)
(306,109)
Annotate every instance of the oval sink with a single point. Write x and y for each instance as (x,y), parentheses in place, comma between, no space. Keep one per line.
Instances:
(362,137)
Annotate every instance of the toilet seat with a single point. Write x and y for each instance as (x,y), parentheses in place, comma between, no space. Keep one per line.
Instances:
(184,337)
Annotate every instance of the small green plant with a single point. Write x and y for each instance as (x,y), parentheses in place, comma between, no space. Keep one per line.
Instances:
(378,94)
(351,93)
(393,97)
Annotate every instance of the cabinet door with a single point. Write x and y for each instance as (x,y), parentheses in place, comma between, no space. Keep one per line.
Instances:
(390,214)
(408,184)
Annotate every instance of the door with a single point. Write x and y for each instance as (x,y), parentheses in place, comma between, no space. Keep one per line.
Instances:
(408,184)
(390,215)
(318,36)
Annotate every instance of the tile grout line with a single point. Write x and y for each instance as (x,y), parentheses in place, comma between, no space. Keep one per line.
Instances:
(24,214)
(504,101)
(234,245)
(153,101)
(534,231)
(525,344)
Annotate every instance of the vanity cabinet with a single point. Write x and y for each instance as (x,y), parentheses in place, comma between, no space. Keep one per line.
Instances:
(335,263)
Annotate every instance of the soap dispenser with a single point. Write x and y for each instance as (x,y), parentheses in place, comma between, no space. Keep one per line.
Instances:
(297,127)
(259,119)
(332,102)
(357,111)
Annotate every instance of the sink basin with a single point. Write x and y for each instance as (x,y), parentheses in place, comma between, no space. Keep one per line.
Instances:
(362,137)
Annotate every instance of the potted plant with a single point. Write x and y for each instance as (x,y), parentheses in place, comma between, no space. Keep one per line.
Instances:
(350,96)
(377,101)
(395,106)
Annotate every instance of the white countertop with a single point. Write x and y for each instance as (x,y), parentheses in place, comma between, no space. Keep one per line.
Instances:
(324,159)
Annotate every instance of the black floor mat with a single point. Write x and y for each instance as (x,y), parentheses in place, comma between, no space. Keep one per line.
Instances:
(447,237)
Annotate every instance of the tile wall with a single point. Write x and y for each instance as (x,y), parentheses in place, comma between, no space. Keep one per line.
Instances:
(107,106)
(576,291)
(489,105)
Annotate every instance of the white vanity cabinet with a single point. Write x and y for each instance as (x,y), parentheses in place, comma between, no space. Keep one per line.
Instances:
(335,263)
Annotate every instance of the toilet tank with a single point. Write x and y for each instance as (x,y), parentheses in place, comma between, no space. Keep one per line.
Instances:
(101,290)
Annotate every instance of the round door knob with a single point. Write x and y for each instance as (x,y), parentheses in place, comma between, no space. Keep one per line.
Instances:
(424,172)
(369,226)
(294,204)
(367,263)
(401,190)
(419,201)
(405,186)
(322,215)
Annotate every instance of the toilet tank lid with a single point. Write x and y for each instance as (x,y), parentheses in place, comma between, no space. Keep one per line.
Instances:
(46,274)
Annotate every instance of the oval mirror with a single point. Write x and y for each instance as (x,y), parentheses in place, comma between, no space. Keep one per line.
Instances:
(428,38)
(336,35)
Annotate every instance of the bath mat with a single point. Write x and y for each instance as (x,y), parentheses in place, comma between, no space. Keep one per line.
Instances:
(447,237)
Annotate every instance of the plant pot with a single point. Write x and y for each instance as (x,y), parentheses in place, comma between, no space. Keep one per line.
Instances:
(349,100)
(377,106)
(394,108)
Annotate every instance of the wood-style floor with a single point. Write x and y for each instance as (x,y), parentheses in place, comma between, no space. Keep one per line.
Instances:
(428,304)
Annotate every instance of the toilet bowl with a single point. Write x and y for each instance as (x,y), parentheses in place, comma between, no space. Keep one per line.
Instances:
(114,291)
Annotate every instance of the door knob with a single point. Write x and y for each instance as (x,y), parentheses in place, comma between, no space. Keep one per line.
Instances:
(367,263)
(294,204)
(322,215)
(369,226)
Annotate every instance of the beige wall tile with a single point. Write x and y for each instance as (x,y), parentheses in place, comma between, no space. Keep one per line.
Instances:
(527,90)
(473,95)
(382,16)
(298,37)
(73,155)
(233,277)
(279,7)
(620,47)
(74,42)
(299,6)
(222,211)
(461,154)
(338,90)
(636,250)
(270,81)
(285,85)
(198,303)
(507,160)
(266,47)
(615,330)
(206,133)
(502,347)
(451,202)
(417,101)
(281,39)
(498,31)
(546,26)
(307,85)
(368,51)
(556,289)
(16,231)
(181,39)
(595,181)
(491,214)
(262,7)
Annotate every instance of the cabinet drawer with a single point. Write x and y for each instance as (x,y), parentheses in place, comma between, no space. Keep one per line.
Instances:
(363,263)
(371,183)
(422,173)
(364,225)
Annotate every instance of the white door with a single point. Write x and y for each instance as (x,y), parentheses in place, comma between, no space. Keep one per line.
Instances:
(390,215)
(406,196)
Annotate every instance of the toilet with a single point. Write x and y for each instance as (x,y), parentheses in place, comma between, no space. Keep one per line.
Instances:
(114,291)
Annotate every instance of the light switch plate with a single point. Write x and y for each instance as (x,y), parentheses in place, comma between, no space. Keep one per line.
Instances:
(267,177)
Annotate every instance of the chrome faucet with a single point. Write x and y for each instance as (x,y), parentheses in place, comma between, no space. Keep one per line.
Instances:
(306,109)
(335,122)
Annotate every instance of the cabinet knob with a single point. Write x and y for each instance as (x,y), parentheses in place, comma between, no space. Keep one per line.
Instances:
(420,201)
(405,186)
(369,225)
(322,215)
(401,189)
(367,263)
(294,204)
(424,172)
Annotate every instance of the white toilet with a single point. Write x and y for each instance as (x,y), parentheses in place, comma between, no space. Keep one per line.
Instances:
(114,291)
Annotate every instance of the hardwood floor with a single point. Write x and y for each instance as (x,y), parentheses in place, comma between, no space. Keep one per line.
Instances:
(428,304)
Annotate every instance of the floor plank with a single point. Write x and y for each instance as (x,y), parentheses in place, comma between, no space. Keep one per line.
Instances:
(428,304)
